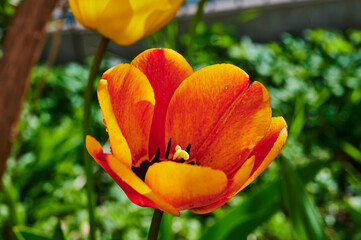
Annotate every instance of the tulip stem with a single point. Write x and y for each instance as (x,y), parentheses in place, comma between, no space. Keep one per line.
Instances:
(197,17)
(154,226)
(86,130)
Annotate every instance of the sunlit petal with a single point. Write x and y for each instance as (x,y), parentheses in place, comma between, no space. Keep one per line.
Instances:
(186,186)
(132,102)
(165,70)
(137,191)
(238,180)
(119,145)
(268,148)
(222,120)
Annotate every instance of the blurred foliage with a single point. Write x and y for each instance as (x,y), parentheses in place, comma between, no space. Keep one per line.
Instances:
(164,38)
(314,81)
(6,12)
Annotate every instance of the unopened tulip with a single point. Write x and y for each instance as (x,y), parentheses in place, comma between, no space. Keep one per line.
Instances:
(124,21)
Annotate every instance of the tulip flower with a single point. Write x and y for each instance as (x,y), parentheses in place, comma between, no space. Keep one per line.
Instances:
(124,21)
(182,139)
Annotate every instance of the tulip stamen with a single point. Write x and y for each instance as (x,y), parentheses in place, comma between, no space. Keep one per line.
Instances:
(157,156)
(188,148)
(180,154)
(168,148)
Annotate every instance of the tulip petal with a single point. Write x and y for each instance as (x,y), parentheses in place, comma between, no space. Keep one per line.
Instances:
(113,18)
(136,190)
(200,101)
(238,131)
(89,10)
(165,70)
(186,186)
(222,120)
(268,148)
(119,145)
(132,102)
(149,16)
(76,10)
(125,22)
(238,180)
(262,155)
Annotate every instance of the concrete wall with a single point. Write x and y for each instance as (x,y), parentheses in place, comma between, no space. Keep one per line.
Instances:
(294,17)
(274,17)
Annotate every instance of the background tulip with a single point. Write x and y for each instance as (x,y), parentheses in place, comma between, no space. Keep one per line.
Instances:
(124,21)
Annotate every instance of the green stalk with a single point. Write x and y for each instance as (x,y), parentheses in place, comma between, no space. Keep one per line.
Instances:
(10,199)
(154,226)
(192,30)
(86,130)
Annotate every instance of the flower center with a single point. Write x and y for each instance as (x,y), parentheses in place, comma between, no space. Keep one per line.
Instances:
(180,154)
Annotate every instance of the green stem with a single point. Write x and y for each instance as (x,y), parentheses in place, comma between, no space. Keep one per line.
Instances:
(10,200)
(192,30)
(86,130)
(154,226)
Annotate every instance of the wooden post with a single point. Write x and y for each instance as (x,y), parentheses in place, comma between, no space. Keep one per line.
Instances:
(22,46)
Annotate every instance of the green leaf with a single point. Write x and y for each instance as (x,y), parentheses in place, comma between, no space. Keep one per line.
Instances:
(302,212)
(254,210)
(58,232)
(299,117)
(308,172)
(11,198)
(351,150)
(249,14)
(25,233)
(353,207)
(260,214)
(47,208)
(355,214)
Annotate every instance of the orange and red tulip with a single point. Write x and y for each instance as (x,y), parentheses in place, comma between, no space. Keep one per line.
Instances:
(156,105)
(124,21)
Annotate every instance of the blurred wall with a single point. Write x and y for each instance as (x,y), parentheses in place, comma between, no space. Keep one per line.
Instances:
(262,20)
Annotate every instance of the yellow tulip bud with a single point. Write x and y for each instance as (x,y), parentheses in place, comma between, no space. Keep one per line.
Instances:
(124,21)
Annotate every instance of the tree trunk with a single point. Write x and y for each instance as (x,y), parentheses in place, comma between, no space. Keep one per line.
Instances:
(21,50)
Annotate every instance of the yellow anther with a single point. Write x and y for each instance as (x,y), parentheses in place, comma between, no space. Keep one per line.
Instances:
(180,154)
